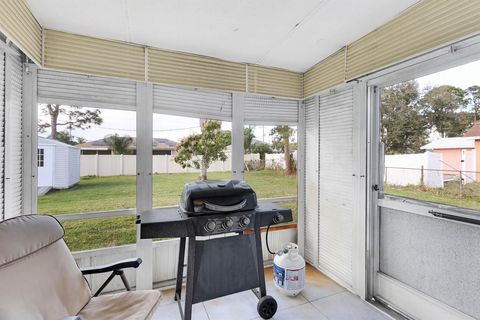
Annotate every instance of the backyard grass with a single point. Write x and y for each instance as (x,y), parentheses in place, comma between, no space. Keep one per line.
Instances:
(113,193)
(97,233)
(451,194)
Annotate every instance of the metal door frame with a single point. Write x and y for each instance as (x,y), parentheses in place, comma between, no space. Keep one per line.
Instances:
(449,56)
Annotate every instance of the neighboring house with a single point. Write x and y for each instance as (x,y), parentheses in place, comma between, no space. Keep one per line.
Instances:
(458,154)
(160,146)
(58,164)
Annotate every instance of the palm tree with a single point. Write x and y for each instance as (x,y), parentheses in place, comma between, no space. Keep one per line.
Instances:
(118,144)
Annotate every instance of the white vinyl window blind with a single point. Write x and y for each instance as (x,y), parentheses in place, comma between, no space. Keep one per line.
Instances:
(311,181)
(264,110)
(85,91)
(195,103)
(2,131)
(13,135)
(336,184)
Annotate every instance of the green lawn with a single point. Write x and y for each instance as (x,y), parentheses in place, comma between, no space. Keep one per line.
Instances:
(451,194)
(99,232)
(113,193)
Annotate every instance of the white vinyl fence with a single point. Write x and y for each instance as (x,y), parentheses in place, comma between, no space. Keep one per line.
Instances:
(414,169)
(125,165)
(277,160)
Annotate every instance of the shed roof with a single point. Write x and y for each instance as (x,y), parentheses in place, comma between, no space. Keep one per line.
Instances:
(51,142)
(452,143)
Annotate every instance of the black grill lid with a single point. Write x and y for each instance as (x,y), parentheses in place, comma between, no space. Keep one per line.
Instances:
(217,196)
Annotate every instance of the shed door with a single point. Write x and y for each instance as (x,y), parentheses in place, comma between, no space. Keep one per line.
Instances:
(13,136)
(2,130)
(311,181)
(336,185)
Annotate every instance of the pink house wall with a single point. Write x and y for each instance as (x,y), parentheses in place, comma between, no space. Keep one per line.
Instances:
(477,156)
(452,159)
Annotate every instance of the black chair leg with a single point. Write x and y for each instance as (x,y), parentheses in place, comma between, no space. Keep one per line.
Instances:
(110,278)
(124,280)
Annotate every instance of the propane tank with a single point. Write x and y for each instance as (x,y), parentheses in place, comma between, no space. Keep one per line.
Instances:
(289,270)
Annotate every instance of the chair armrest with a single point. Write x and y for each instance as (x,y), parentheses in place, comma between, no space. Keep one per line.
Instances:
(127,263)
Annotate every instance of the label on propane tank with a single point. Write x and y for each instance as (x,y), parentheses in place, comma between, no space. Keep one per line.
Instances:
(289,279)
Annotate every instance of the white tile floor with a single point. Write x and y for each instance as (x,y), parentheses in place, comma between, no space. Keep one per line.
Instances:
(322,299)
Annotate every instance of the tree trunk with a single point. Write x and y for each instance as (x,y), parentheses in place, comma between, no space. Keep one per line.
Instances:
(288,159)
(203,172)
(53,125)
(53,111)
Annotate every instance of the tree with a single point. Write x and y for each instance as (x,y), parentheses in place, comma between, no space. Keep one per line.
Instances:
(248,137)
(201,150)
(404,129)
(118,144)
(282,135)
(71,117)
(474,97)
(261,148)
(65,137)
(445,109)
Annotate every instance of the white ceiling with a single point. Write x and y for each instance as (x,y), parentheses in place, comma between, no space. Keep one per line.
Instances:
(290,34)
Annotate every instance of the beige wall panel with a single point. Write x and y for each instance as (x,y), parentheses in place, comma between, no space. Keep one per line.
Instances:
(195,71)
(275,82)
(66,51)
(325,74)
(428,25)
(21,27)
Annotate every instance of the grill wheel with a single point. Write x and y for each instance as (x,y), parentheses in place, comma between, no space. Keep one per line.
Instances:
(266,307)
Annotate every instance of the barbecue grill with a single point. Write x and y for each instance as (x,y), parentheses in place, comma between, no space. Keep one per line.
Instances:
(217,265)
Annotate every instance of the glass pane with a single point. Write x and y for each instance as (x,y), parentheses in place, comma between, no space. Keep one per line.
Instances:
(181,165)
(431,132)
(86,163)
(270,162)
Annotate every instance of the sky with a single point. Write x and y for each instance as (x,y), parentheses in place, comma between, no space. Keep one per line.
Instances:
(463,76)
(174,127)
(164,126)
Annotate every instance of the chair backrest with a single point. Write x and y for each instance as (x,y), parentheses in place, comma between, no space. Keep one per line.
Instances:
(39,278)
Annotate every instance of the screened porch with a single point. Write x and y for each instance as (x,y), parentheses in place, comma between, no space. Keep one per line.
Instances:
(374,249)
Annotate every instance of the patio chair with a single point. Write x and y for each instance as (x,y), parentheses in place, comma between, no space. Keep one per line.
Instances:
(39,278)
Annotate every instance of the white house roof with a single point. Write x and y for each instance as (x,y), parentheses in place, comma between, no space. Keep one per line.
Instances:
(288,34)
(452,143)
(50,142)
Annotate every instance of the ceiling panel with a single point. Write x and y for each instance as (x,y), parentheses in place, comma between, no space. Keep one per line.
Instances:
(289,34)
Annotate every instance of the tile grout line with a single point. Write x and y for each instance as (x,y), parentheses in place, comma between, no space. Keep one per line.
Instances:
(319,311)
(327,296)
(206,312)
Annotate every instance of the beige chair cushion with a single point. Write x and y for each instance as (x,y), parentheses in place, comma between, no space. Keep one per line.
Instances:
(131,305)
(39,278)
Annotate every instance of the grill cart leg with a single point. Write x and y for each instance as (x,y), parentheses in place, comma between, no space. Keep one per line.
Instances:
(259,255)
(190,276)
(267,306)
(181,261)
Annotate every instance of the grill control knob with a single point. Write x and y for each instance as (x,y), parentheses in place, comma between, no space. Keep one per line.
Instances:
(228,223)
(244,221)
(278,218)
(210,226)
